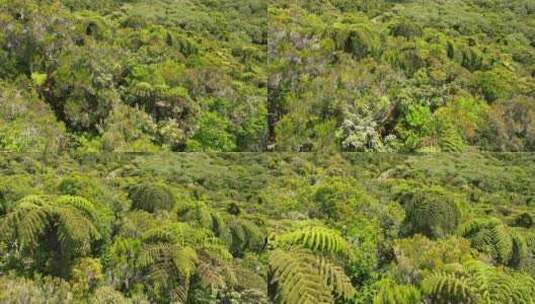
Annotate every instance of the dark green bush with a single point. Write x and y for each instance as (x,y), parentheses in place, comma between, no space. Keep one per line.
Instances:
(151,197)
(429,211)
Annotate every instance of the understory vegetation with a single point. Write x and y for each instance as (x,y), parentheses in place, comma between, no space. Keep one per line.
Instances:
(267,228)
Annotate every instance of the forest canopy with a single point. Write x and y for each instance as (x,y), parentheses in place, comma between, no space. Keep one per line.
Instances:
(254,75)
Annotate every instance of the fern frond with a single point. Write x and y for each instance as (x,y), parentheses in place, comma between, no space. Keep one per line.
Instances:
(185,260)
(477,282)
(335,277)
(151,253)
(209,276)
(449,287)
(298,281)
(502,242)
(76,230)
(389,292)
(317,239)
(79,203)
(25,225)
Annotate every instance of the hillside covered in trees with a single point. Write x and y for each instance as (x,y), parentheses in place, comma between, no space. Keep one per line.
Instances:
(267,151)
(114,75)
(402,75)
(256,75)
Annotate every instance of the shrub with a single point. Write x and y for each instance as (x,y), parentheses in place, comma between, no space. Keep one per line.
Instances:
(151,197)
(430,212)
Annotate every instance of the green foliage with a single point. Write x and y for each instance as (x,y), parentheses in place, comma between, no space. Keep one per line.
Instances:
(300,276)
(54,230)
(91,59)
(303,278)
(257,232)
(387,72)
(20,290)
(430,212)
(388,292)
(417,256)
(27,124)
(318,239)
(476,282)
(213,135)
(39,79)
(500,242)
(151,197)
(96,96)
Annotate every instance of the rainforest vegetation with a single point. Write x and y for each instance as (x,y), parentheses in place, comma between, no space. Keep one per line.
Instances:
(396,139)
(268,228)
(257,75)
(402,75)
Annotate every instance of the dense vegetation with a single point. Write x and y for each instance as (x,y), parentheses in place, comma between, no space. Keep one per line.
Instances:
(133,75)
(402,75)
(97,96)
(254,75)
(267,228)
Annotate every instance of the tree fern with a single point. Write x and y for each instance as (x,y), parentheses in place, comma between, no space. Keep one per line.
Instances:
(239,234)
(476,282)
(449,288)
(335,277)
(173,258)
(451,140)
(492,237)
(388,292)
(151,197)
(430,211)
(61,227)
(297,280)
(302,269)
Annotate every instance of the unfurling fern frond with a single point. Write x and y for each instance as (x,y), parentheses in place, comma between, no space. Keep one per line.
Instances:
(318,239)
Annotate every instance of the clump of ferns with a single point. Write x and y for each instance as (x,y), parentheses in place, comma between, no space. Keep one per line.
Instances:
(240,234)
(503,244)
(172,260)
(305,267)
(476,282)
